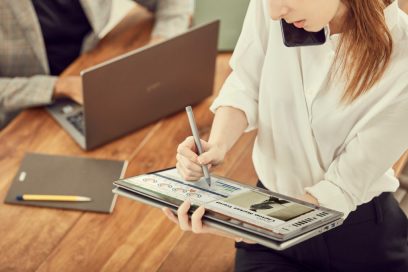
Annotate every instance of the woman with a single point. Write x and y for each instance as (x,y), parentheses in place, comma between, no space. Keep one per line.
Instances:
(331,120)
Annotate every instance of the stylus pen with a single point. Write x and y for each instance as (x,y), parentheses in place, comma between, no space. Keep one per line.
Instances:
(69,198)
(197,141)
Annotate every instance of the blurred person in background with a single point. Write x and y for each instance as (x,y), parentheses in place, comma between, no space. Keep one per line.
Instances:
(40,38)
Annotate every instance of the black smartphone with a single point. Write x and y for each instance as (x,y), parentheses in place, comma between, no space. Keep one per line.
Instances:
(293,36)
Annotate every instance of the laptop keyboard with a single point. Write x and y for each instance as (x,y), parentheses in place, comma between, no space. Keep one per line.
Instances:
(77,120)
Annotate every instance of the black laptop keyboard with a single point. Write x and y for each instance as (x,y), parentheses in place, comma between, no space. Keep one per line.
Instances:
(77,120)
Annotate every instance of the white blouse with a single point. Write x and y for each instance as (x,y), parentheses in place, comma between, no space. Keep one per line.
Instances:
(307,140)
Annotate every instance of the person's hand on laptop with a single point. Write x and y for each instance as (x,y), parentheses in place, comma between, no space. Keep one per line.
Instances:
(309,198)
(189,167)
(155,39)
(196,224)
(69,86)
(189,163)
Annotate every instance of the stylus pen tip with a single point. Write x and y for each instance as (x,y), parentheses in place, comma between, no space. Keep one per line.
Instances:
(208,180)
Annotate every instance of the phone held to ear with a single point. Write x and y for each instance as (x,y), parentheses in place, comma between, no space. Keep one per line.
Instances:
(293,36)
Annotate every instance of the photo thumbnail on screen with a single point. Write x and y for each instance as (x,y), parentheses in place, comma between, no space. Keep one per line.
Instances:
(268,205)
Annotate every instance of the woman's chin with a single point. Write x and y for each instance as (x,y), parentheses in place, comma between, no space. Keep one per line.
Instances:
(312,29)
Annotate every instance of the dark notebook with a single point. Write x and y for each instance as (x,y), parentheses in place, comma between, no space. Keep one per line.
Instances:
(61,175)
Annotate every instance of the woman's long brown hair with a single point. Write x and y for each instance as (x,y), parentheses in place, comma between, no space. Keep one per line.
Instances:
(365,47)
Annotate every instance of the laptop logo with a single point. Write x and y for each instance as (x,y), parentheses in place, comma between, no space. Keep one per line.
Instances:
(153,87)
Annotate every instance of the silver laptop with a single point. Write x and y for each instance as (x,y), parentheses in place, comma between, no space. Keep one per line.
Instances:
(231,13)
(268,218)
(140,87)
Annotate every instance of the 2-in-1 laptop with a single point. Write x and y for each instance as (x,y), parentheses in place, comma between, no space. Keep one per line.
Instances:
(140,87)
(273,220)
(231,14)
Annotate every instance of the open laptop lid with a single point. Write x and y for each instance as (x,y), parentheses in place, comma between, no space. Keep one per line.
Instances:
(142,86)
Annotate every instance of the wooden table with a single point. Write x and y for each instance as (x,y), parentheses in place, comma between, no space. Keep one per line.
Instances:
(135,237)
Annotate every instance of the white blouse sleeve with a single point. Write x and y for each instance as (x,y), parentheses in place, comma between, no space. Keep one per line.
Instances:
(241,88)
(365,159)
(172,17)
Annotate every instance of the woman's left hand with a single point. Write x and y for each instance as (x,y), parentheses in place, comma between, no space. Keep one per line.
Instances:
(309,198)
(196,224)
(155,39)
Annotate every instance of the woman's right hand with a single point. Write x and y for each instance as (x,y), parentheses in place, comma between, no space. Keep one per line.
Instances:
(189,163)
